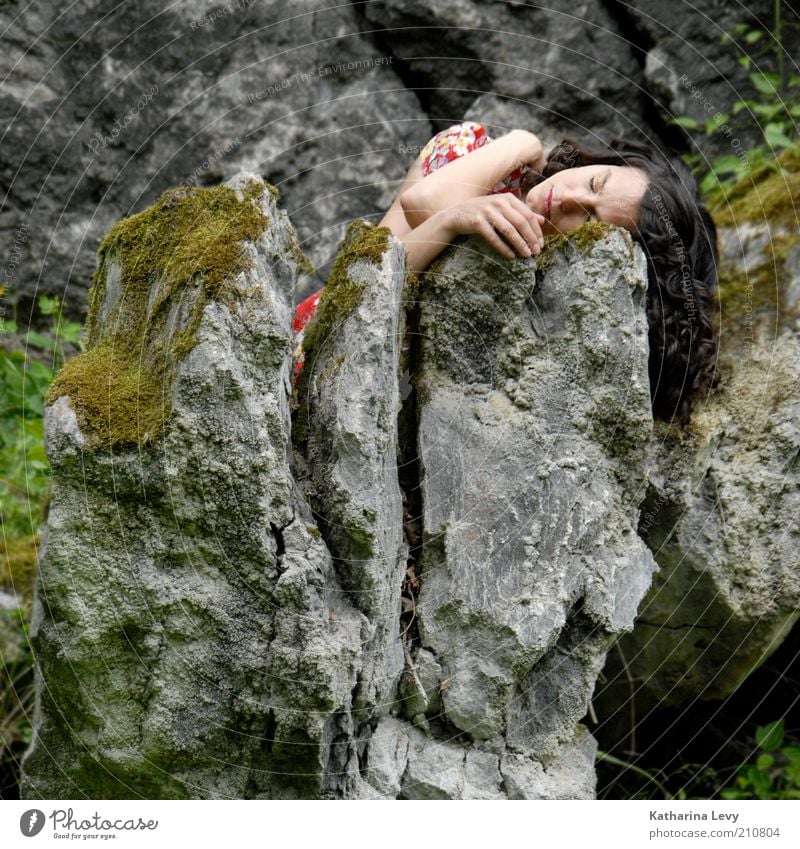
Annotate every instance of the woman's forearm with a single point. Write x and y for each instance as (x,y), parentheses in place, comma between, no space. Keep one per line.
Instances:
(469,176)
(425,242)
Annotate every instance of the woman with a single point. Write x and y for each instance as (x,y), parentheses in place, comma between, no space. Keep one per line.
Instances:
(513,196)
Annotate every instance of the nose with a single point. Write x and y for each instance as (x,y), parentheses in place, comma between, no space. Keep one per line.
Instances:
(573,200)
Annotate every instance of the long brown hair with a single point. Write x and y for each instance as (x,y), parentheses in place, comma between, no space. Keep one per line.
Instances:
(679,239)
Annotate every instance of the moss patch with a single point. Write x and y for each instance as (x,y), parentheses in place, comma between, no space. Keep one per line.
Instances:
(175,257)
(341,295)
(581,238)
(19,559)
(768,195)
(769,198)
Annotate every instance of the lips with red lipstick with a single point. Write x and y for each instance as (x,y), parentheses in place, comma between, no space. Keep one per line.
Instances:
(548,204)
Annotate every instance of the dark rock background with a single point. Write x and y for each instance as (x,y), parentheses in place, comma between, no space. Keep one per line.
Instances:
(107,104)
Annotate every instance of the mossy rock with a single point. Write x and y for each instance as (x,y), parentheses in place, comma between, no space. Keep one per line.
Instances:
(19,559)
(156,272)
(753,293)
(363,242)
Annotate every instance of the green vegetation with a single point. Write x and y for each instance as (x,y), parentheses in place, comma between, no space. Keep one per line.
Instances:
(16,696)
(24,487)
(776,771)
(773,774)
(774,108)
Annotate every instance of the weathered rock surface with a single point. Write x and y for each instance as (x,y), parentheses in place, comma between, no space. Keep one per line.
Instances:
(188,623)
(330,103)
(720,514)
(534,422)
(218,611)
(102,118)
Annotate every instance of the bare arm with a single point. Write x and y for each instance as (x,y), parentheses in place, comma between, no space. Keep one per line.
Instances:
(490,216)
(471,175)
(395,217)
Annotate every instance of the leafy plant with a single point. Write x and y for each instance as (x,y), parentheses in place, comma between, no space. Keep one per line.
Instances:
(28,363)
(775,108)
(776,771)
(24,379)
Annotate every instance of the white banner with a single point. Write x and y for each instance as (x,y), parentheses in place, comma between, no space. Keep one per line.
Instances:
(563,825)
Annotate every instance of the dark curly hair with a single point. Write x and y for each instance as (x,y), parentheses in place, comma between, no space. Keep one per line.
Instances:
(679,240)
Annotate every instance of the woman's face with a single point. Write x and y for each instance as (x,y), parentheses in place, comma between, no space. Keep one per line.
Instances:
(610,193)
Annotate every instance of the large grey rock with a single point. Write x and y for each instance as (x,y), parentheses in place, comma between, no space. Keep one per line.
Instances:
(534,423)
(189,628)
(104,108)
(218,610)
(720,513)
(560,65)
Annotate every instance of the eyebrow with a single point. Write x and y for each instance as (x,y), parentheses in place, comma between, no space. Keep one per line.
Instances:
(605,179)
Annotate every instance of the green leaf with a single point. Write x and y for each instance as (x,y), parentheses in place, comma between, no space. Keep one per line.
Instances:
(745,62)
(709,183)
(48,305)
(727,165)
(742,104)
(792,754)
(769,737)
(686,122)
(775,136)
(768,110)
(765,82)
(38,340)
(764,762)
(70,331)
(753,36)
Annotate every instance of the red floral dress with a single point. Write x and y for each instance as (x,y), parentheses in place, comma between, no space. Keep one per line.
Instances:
(444,147)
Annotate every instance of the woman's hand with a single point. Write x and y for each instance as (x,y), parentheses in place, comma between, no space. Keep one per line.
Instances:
(495,216)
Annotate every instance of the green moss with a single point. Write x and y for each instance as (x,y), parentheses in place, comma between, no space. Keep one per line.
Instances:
(758,295)
(582,238)
(19,559)
(341,295)
(769,195)
(120,400)
(175,257)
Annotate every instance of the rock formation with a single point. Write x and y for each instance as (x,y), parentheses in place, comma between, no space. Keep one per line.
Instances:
(720,513)
(330,103)
(398,592)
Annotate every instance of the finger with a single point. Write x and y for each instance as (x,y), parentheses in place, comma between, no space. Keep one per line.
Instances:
(488,232)
(508,229)
(534,219)
(531,232)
